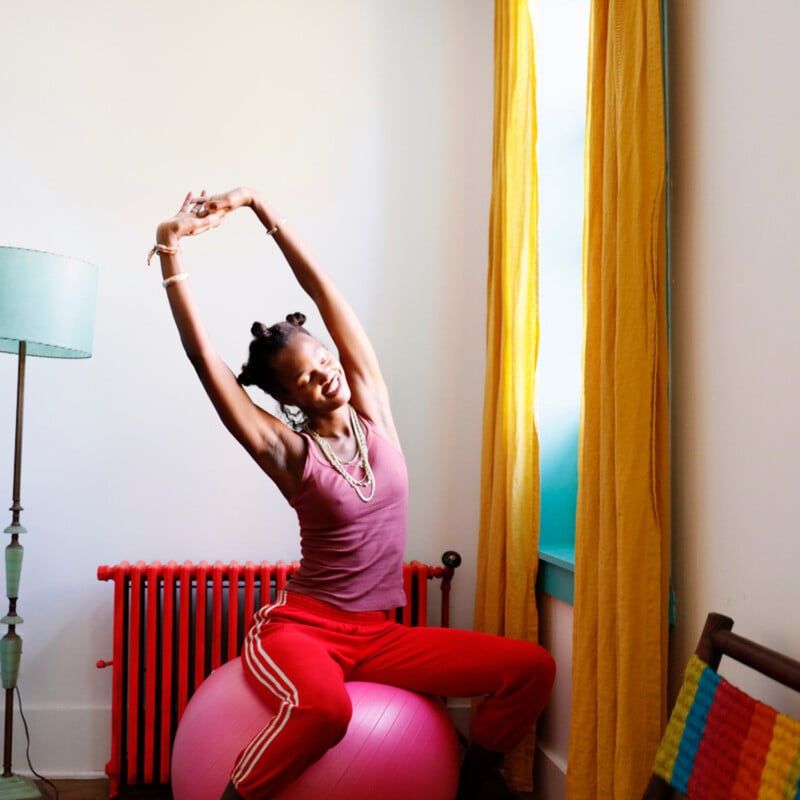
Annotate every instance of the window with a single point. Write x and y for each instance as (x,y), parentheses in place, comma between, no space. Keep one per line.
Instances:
(561,36)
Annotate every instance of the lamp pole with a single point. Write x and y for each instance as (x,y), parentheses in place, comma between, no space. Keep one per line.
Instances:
(13,786)
(47,310)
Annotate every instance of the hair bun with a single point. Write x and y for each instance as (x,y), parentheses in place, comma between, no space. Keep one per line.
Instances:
(259,330)
(297,319)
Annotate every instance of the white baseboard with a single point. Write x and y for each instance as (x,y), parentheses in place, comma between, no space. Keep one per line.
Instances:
(549,775)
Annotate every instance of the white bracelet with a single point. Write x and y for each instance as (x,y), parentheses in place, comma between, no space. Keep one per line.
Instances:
(273,230)
(177,278)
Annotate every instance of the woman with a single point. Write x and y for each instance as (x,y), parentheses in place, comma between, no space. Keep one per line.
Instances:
(341,468)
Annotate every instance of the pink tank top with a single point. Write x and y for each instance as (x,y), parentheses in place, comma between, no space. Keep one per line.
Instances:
(352,551)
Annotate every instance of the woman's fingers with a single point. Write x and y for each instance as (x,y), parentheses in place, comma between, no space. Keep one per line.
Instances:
(205,209)
(194,204)
(227,201)
(197,204)
(205,221)
(215,219)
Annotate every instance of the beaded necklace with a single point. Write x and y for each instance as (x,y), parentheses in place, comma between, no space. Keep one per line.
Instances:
(361,455)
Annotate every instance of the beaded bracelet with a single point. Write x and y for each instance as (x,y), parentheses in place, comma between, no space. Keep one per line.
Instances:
(162,248)
(176,278)
(273,230)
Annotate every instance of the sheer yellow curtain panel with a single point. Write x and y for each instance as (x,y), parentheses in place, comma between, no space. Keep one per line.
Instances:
(509,504)
(622,534)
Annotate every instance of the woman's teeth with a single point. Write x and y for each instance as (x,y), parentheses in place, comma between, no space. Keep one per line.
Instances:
(333,386)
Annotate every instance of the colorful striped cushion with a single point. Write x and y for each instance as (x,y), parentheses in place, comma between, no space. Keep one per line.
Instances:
(721,744)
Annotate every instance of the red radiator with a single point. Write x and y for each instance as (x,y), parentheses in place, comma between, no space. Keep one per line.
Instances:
(175,623)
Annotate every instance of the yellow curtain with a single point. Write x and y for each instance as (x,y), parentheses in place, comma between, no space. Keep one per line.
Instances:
(622,536)
(509,505)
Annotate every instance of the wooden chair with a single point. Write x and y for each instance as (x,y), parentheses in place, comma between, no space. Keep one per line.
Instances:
(721,743)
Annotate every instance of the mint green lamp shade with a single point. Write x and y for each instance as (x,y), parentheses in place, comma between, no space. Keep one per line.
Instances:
(47,301)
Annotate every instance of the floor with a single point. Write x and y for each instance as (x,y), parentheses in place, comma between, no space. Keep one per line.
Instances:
(98,790)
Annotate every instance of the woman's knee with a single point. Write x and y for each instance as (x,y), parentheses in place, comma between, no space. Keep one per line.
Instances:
(528,665)
(540,666)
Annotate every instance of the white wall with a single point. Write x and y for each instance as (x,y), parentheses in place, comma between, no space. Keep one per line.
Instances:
(552,730)
(368,124)
(735,164)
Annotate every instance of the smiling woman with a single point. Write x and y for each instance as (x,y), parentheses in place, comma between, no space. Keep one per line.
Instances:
(340,467)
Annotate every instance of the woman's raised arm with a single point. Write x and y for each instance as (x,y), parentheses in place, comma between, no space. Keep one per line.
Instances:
(277,450)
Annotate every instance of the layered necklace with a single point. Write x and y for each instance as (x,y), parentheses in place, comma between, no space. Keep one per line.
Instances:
(362,458)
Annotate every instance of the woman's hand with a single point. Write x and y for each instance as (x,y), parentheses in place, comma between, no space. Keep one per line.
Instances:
(226,202)
(195,217)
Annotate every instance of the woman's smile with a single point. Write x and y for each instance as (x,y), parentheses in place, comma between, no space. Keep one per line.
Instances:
(332,386)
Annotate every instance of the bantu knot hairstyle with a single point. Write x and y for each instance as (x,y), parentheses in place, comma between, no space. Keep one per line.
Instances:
(266,343)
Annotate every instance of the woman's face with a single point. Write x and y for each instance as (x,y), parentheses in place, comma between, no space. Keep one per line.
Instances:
(310,375)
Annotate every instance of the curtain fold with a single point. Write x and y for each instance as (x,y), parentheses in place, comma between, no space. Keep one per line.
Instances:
(509,503)
(622,534)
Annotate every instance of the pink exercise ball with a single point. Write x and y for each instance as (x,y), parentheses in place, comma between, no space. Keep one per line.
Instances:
(399,745)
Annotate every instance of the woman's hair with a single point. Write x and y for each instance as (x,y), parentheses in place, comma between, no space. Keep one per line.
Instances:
(260,369)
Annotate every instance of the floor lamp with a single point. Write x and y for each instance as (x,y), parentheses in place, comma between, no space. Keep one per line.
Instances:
(47,306)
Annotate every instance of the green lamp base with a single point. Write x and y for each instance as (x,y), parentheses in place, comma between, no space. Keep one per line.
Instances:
(18,788)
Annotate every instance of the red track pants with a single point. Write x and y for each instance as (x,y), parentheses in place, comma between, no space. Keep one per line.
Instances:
(300,652)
